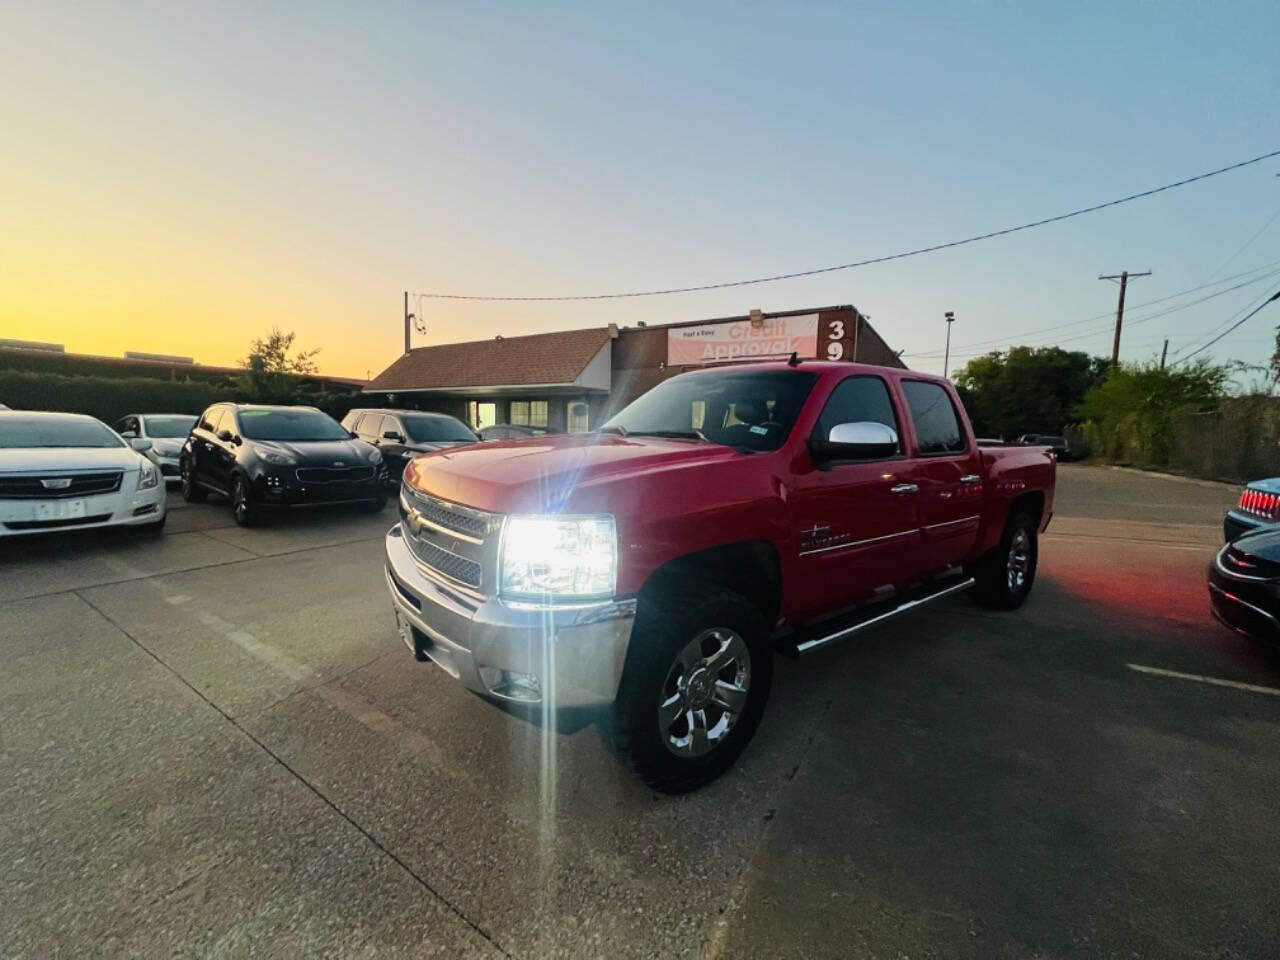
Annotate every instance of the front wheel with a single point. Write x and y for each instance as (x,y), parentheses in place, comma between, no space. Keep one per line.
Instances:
(1005,575)
(375,506)
(697,677)
(192,492)
(243,510)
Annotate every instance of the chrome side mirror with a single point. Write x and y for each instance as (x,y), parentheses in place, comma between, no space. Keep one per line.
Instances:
(862,440)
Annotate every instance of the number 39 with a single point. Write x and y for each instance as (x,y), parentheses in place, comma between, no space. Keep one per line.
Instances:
(835,349)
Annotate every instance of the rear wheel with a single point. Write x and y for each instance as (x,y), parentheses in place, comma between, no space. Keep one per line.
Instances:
(1005,575)
(697,677)
(192,492)
(243,510)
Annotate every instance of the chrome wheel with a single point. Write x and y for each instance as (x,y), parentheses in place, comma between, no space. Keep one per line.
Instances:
(705,692)
(239,501)
(1019,563)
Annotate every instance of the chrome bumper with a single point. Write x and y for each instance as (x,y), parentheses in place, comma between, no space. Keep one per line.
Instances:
(576,654)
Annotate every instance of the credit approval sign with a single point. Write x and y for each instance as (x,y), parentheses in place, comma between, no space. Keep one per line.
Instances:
(776,338)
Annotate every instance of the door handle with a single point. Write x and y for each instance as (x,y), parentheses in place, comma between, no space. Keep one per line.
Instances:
(971,478)
(904,488)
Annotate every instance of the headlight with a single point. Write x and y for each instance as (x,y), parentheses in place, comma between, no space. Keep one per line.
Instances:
(562,558)
(148,475)
(375,456)
(274,456)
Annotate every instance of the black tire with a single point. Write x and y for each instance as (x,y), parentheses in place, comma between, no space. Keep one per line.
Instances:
(192,492)
(667,622)
(375,506)
(243,510)
(1004,577)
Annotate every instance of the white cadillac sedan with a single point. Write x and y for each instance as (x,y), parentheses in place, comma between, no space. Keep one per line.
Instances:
(61,471)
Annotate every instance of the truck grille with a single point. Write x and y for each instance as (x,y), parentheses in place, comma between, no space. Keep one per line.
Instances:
(335,474)
(50,486)
(1259,503)
(455,543)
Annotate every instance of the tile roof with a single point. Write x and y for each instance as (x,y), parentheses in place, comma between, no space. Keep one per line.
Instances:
(540,358)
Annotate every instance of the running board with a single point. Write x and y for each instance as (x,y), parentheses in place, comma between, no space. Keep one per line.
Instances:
(808,642)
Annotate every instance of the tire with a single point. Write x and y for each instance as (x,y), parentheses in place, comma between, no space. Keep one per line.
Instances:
(678,634)
(154,527)
(243,510)
(1004,577)
(192,492)
(375,506)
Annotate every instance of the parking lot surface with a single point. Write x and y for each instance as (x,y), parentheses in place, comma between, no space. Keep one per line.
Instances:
(213,743)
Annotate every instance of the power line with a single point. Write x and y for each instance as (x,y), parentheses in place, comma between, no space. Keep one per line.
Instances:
(863,263)
(1242,320)
(1134,322)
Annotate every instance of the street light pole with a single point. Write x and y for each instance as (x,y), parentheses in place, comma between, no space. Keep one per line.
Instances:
(946,356)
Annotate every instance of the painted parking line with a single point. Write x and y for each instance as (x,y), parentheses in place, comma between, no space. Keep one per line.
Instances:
(1213,681)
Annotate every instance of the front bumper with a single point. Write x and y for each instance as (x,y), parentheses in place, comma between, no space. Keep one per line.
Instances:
(282,488)
(125,507)
(576,654)
(1250,607)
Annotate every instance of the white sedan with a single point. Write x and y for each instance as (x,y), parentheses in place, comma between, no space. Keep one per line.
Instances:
(61,471)
(167,433)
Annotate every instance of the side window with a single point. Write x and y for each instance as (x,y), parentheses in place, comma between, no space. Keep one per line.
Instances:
(393,425)
(937,426)
(373,425)
(858,400)
(209,419)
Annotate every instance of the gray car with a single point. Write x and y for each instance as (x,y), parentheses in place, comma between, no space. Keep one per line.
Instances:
(167,433)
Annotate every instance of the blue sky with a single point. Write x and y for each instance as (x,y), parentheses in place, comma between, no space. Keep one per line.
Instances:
(187,177)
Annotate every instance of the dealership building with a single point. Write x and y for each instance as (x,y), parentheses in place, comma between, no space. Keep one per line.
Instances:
(575,379)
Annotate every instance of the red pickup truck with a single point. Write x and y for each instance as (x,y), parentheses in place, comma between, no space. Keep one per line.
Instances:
(727,514)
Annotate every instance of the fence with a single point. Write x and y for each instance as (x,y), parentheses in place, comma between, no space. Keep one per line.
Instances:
(1240,441)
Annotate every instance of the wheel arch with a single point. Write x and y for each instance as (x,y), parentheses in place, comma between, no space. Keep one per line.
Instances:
(748,567)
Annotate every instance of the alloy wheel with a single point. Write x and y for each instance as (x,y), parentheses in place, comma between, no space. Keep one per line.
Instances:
(1019,563)
(705,692)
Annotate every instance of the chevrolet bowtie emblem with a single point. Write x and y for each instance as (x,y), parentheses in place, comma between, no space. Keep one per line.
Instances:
(56,483)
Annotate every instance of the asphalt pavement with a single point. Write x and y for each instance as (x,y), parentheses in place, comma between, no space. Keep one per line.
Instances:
(213,744)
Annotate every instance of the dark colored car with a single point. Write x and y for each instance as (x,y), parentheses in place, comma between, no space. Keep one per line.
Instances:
(402,435)
(1258,509)
(1059,445)
(1244,585)
(263,457)
(513,431)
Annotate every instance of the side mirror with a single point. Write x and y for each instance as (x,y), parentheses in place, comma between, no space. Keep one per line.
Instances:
(392,435)
(864,440)
(141,444)
(226,436)
(128,434)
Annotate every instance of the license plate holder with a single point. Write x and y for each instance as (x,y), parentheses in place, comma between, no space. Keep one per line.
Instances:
(61,509)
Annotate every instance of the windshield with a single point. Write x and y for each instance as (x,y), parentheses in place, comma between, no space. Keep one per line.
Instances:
(21,432)
(437,429)
(162,427)
(750,410)
(297,425)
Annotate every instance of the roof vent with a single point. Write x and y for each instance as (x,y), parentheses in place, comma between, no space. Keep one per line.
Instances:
(498,337)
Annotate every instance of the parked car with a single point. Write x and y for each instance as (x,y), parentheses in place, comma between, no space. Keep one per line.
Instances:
(513,431)
(1061,449)
(402,435)
(60,471)
(264,458)
(1258,509)
(166,431)
(1244,585)
(724,513)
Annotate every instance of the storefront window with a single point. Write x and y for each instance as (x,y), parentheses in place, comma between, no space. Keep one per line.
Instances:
(537,413)
(520,412)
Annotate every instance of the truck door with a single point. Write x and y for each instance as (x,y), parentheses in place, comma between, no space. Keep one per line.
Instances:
(855,526)
(947,469)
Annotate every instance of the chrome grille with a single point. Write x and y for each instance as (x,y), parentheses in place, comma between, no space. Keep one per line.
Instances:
(457,544)
(55,486)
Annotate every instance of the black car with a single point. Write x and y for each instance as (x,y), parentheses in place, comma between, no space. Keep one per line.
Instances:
(264,457)
(513,431)
(1244,585)
(1059,445)
(403,434)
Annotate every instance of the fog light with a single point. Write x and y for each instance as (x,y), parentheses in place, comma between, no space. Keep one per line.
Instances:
(143,511)
(511,684)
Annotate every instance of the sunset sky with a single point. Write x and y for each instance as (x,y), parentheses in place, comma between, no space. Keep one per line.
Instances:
(178,178)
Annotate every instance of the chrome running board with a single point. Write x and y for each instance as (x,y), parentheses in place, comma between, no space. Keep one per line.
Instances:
(877,615)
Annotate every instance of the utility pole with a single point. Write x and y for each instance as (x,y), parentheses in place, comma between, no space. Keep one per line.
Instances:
(1164,352)
(1124,283)
(406,321)
(946,356)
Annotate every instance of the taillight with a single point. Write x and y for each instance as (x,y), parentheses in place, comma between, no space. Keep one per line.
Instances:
(1259,502)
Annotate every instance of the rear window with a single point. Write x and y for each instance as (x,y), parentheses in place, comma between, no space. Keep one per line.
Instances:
(934,416)
(20,433)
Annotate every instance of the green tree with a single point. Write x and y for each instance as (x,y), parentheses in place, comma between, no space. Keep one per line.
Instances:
(271,372)
(1028,389)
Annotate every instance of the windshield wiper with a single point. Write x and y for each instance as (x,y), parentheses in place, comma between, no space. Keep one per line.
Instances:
(694,434)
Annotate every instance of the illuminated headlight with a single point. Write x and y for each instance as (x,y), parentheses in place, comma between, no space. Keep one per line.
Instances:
(274,456)
(148,475)
(559,558)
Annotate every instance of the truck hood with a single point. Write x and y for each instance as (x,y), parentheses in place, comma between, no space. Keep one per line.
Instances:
(67,459)
(540,474)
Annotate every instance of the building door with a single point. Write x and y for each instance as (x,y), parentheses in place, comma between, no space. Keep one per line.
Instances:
(483,414)
(578,417)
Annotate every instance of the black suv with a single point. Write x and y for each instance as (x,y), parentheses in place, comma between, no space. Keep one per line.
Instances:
(262,457)
(403,434)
